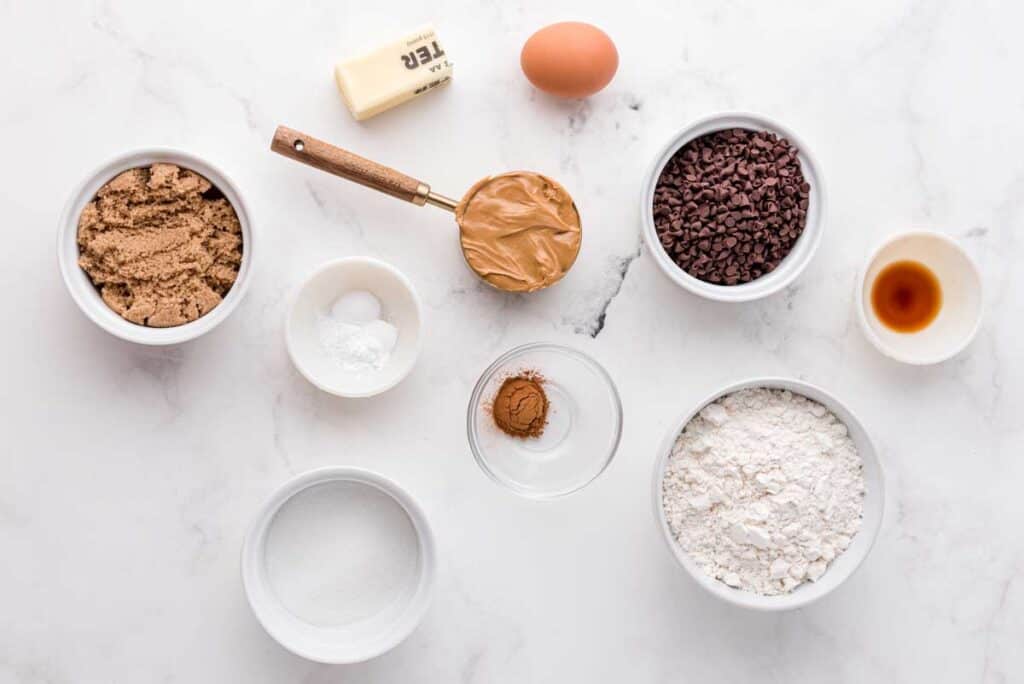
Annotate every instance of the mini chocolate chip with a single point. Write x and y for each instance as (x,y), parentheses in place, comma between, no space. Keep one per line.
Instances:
(730,205)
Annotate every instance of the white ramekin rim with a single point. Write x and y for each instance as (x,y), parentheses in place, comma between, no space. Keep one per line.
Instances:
(806,594)
(253,549)
(85,294)
(785,273)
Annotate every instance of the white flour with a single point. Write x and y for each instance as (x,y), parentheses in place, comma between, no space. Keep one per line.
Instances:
(764,489)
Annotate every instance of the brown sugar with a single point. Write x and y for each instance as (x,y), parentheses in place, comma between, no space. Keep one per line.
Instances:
(161,244)
(520,407)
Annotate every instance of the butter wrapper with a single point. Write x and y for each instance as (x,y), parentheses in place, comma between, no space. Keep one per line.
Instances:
(394,73)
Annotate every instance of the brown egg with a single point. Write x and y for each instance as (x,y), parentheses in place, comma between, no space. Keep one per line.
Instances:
(569,59)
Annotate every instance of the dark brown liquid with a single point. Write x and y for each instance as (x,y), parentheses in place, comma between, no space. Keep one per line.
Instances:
(906,296)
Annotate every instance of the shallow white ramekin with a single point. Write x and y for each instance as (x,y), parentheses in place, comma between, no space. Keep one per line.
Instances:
(367,639)
(798,258)
(401,306)
(845,564)
(959,317)
(85,294)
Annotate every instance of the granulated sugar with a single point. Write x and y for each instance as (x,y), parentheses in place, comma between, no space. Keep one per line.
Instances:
(764,488)
(341,552)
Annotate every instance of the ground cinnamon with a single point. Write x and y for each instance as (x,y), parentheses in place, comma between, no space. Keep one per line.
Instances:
(520,408)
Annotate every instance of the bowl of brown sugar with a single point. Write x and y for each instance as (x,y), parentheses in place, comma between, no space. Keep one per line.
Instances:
(733,207)
(155,246)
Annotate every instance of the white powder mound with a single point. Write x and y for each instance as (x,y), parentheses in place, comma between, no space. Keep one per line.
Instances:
(356,347)
(764,489)
(354,335)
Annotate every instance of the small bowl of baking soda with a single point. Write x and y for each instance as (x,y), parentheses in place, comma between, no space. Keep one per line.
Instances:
(353,328)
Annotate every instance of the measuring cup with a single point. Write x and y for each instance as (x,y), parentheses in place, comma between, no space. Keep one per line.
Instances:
(520,231)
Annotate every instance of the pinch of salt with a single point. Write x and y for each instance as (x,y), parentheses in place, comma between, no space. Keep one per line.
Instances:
(356,306)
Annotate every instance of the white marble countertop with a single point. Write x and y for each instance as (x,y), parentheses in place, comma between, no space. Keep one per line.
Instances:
(128,475)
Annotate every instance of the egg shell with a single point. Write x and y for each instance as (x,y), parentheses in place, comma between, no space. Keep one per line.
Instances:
(569,59)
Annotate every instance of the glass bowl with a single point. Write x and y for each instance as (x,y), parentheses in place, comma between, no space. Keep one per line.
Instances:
(583,430)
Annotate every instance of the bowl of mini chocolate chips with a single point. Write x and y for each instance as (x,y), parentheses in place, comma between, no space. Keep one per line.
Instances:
(732,207)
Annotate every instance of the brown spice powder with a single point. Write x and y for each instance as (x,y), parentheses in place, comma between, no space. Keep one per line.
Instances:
(162,245)
(520,408)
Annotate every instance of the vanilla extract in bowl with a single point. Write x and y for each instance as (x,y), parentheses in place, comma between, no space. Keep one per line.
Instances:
(920,299)
(906,296)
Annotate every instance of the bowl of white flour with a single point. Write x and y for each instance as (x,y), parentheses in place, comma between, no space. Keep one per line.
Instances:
(769,493)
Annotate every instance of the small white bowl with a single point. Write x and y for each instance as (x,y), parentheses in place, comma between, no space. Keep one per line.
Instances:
(797,259)
(845,564)
(88,297)
(401,307)
(362,639)
(960,316)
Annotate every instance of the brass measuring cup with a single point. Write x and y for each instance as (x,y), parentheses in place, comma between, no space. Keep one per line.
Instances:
(520,231)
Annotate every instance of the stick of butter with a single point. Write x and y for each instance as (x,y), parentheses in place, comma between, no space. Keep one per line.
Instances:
(393,73)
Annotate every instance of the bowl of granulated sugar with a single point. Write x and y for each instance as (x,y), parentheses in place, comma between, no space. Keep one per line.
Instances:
(769,493)
(339,565)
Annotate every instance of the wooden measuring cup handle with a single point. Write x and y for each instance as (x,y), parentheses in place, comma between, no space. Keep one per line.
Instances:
(326,157)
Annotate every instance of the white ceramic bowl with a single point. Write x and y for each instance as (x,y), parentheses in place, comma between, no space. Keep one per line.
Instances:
(802,251)
(844,565)
(88,297)
(361,640)
(401,307)
(960,316)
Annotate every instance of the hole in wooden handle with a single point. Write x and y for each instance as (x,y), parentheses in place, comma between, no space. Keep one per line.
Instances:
(299,145)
